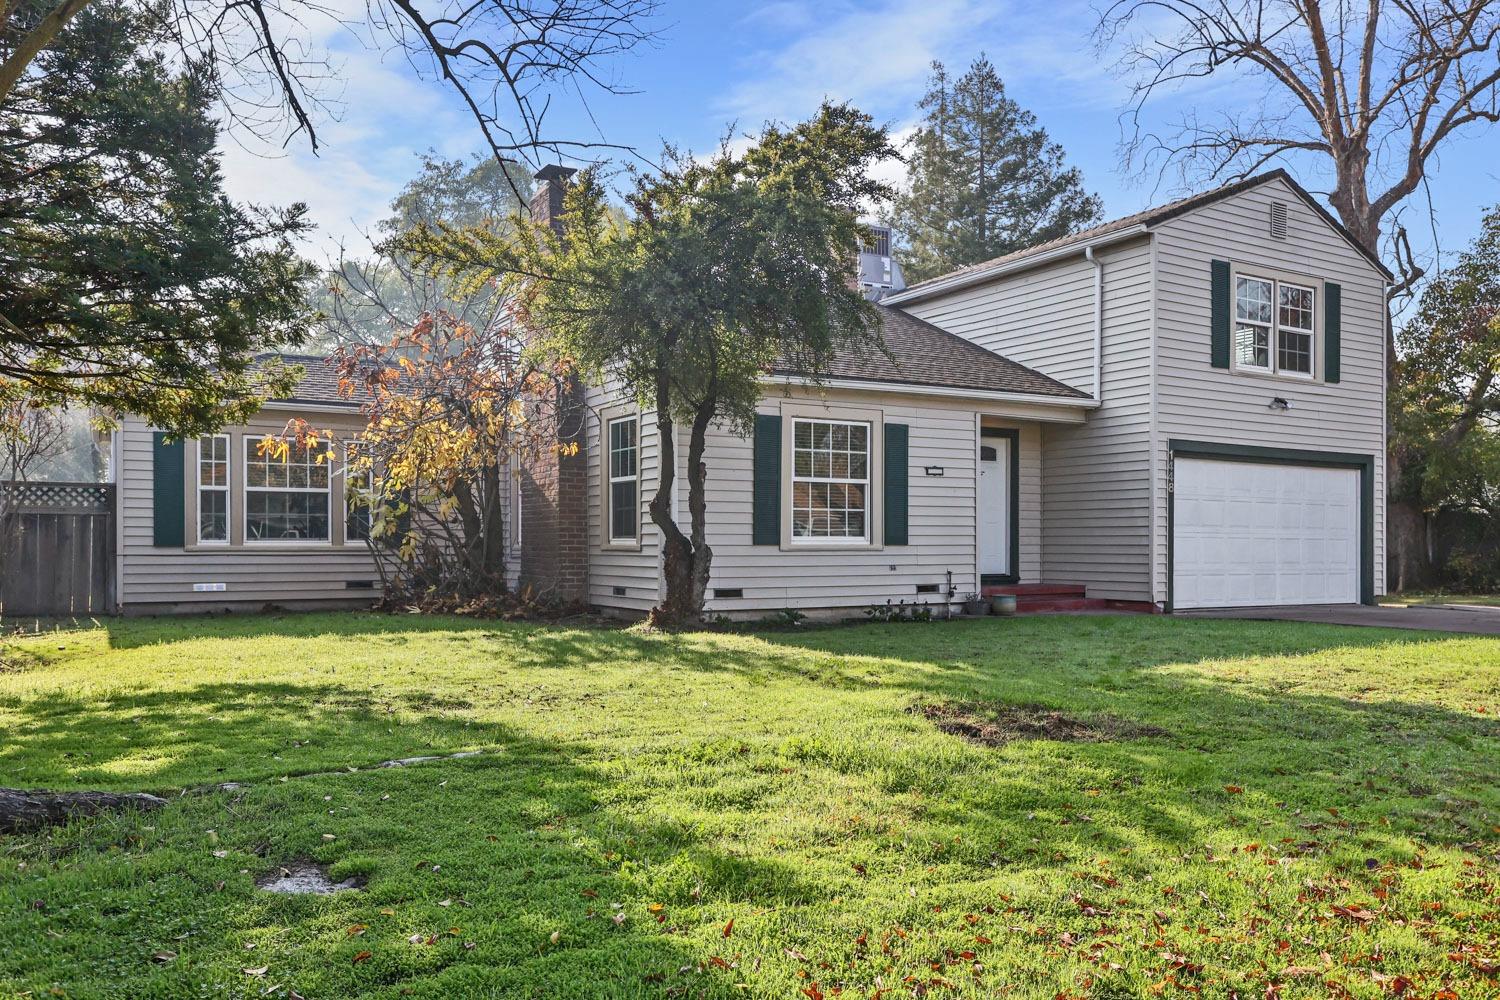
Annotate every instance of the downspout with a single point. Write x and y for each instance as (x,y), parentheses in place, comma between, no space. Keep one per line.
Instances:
(1088,253)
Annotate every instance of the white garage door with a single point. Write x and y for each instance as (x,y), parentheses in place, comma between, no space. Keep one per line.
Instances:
(1248,534)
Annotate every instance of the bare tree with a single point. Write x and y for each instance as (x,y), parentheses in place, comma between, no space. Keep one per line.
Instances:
(1375,91)
(506,59)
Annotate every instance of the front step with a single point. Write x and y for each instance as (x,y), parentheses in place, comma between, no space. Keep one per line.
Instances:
(1048,598)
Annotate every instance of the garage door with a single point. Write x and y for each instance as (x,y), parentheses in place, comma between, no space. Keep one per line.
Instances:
(1248,534)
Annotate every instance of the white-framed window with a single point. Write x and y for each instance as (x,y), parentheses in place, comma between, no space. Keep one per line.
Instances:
(623,480)
(359,500)
(830,480)
(213,489)
(1273,325)
(287,498)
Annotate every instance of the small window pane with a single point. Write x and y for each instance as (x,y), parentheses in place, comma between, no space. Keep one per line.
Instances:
(1252,345)
(213,516)
(1294,353)
(1253,300)
(622,509)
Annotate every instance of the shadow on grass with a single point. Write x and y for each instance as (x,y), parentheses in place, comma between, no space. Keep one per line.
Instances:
(472,866)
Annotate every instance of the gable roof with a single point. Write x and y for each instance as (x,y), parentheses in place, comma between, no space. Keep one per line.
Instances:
(921,354)
(1143,221)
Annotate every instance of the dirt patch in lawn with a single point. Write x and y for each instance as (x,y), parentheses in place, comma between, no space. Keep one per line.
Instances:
(304,878)
(994,724)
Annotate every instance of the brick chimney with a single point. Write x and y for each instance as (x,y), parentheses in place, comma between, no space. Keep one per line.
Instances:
(554,486)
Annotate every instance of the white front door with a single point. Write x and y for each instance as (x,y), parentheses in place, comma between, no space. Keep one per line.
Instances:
(1246,534)
(994,506)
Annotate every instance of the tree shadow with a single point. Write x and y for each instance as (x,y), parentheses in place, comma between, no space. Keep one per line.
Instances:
(471,865)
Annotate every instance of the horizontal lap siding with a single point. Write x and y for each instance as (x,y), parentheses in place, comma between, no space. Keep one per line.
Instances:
(940,523)
(1199,402)
(1097,484)
(1042,318)
(165,576)
(638,571)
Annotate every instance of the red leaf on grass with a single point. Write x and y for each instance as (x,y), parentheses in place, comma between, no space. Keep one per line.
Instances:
(729,927)
(361,957)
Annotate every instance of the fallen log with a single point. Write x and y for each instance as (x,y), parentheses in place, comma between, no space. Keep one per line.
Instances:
(21,810)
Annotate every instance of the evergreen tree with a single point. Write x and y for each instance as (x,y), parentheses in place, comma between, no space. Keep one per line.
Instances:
(128,280)
(983,179)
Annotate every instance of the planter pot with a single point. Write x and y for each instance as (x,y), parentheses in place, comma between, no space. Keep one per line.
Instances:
(1003,604)
(976,607)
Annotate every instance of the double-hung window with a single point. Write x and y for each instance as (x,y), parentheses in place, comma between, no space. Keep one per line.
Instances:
(830,481)
(623,480)
(213,489)
(287,497)
(1273,329)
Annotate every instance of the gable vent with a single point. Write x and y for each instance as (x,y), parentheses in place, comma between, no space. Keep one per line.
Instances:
(1278,219)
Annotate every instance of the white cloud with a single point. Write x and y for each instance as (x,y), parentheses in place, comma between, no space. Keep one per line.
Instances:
(385,113)
(868,55)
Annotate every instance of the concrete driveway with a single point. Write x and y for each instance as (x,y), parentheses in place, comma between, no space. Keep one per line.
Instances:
(1474,619)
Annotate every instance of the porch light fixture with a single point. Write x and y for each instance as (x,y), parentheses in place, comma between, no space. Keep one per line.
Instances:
(1278,403)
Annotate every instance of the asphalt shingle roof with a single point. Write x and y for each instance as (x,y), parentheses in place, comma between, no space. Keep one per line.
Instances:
(921,354)
(320,382)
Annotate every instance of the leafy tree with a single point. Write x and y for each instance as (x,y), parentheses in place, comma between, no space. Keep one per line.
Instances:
(128,280)
(365,299)
(718,269)
(983,179)
(449,408)
(1446,400)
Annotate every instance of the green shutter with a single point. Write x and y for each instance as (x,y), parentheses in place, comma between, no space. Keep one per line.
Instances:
(766,492)
(1219,306)
(167,488)
(896,460)
(1332,328)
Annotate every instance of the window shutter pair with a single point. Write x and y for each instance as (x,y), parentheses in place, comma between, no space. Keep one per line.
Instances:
(1221,314)
(766,490)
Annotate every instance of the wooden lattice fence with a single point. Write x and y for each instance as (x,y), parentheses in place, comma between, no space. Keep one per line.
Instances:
(57,545)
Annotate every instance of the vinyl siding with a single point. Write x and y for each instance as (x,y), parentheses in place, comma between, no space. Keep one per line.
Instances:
(941,519)
(1198,402)
(161,579)
(635,569)
(1095,482)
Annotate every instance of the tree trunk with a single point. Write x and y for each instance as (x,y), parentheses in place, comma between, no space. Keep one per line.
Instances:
(22,810)
(686,561)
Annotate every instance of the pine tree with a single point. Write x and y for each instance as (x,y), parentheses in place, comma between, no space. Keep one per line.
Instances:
(983,179)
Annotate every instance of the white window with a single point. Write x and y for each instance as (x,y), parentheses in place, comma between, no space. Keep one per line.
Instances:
(213,489)
(359,495)
(830,480)
(1273,329)
(622,480)
(286,496)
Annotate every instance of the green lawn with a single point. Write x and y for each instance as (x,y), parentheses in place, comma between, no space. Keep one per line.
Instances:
(716,815)
(1490,600)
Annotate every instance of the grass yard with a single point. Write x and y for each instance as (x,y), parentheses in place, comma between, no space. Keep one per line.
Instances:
(1271,810)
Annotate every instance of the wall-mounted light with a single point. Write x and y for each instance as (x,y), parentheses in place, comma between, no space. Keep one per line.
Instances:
(1277,403)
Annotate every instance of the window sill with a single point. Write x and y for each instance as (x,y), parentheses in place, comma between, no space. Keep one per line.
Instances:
(1260,373)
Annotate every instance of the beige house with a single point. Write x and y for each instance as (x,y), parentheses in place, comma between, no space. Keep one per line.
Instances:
(1183,408)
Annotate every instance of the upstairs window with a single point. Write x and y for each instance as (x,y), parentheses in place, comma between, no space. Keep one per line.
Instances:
(1273,329)
(623,480)
(830,481)
(287,499)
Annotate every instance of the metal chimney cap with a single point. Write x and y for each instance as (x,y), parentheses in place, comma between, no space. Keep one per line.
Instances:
(554,172)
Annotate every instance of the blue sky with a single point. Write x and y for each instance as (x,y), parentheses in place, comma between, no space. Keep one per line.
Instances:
(716,62)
